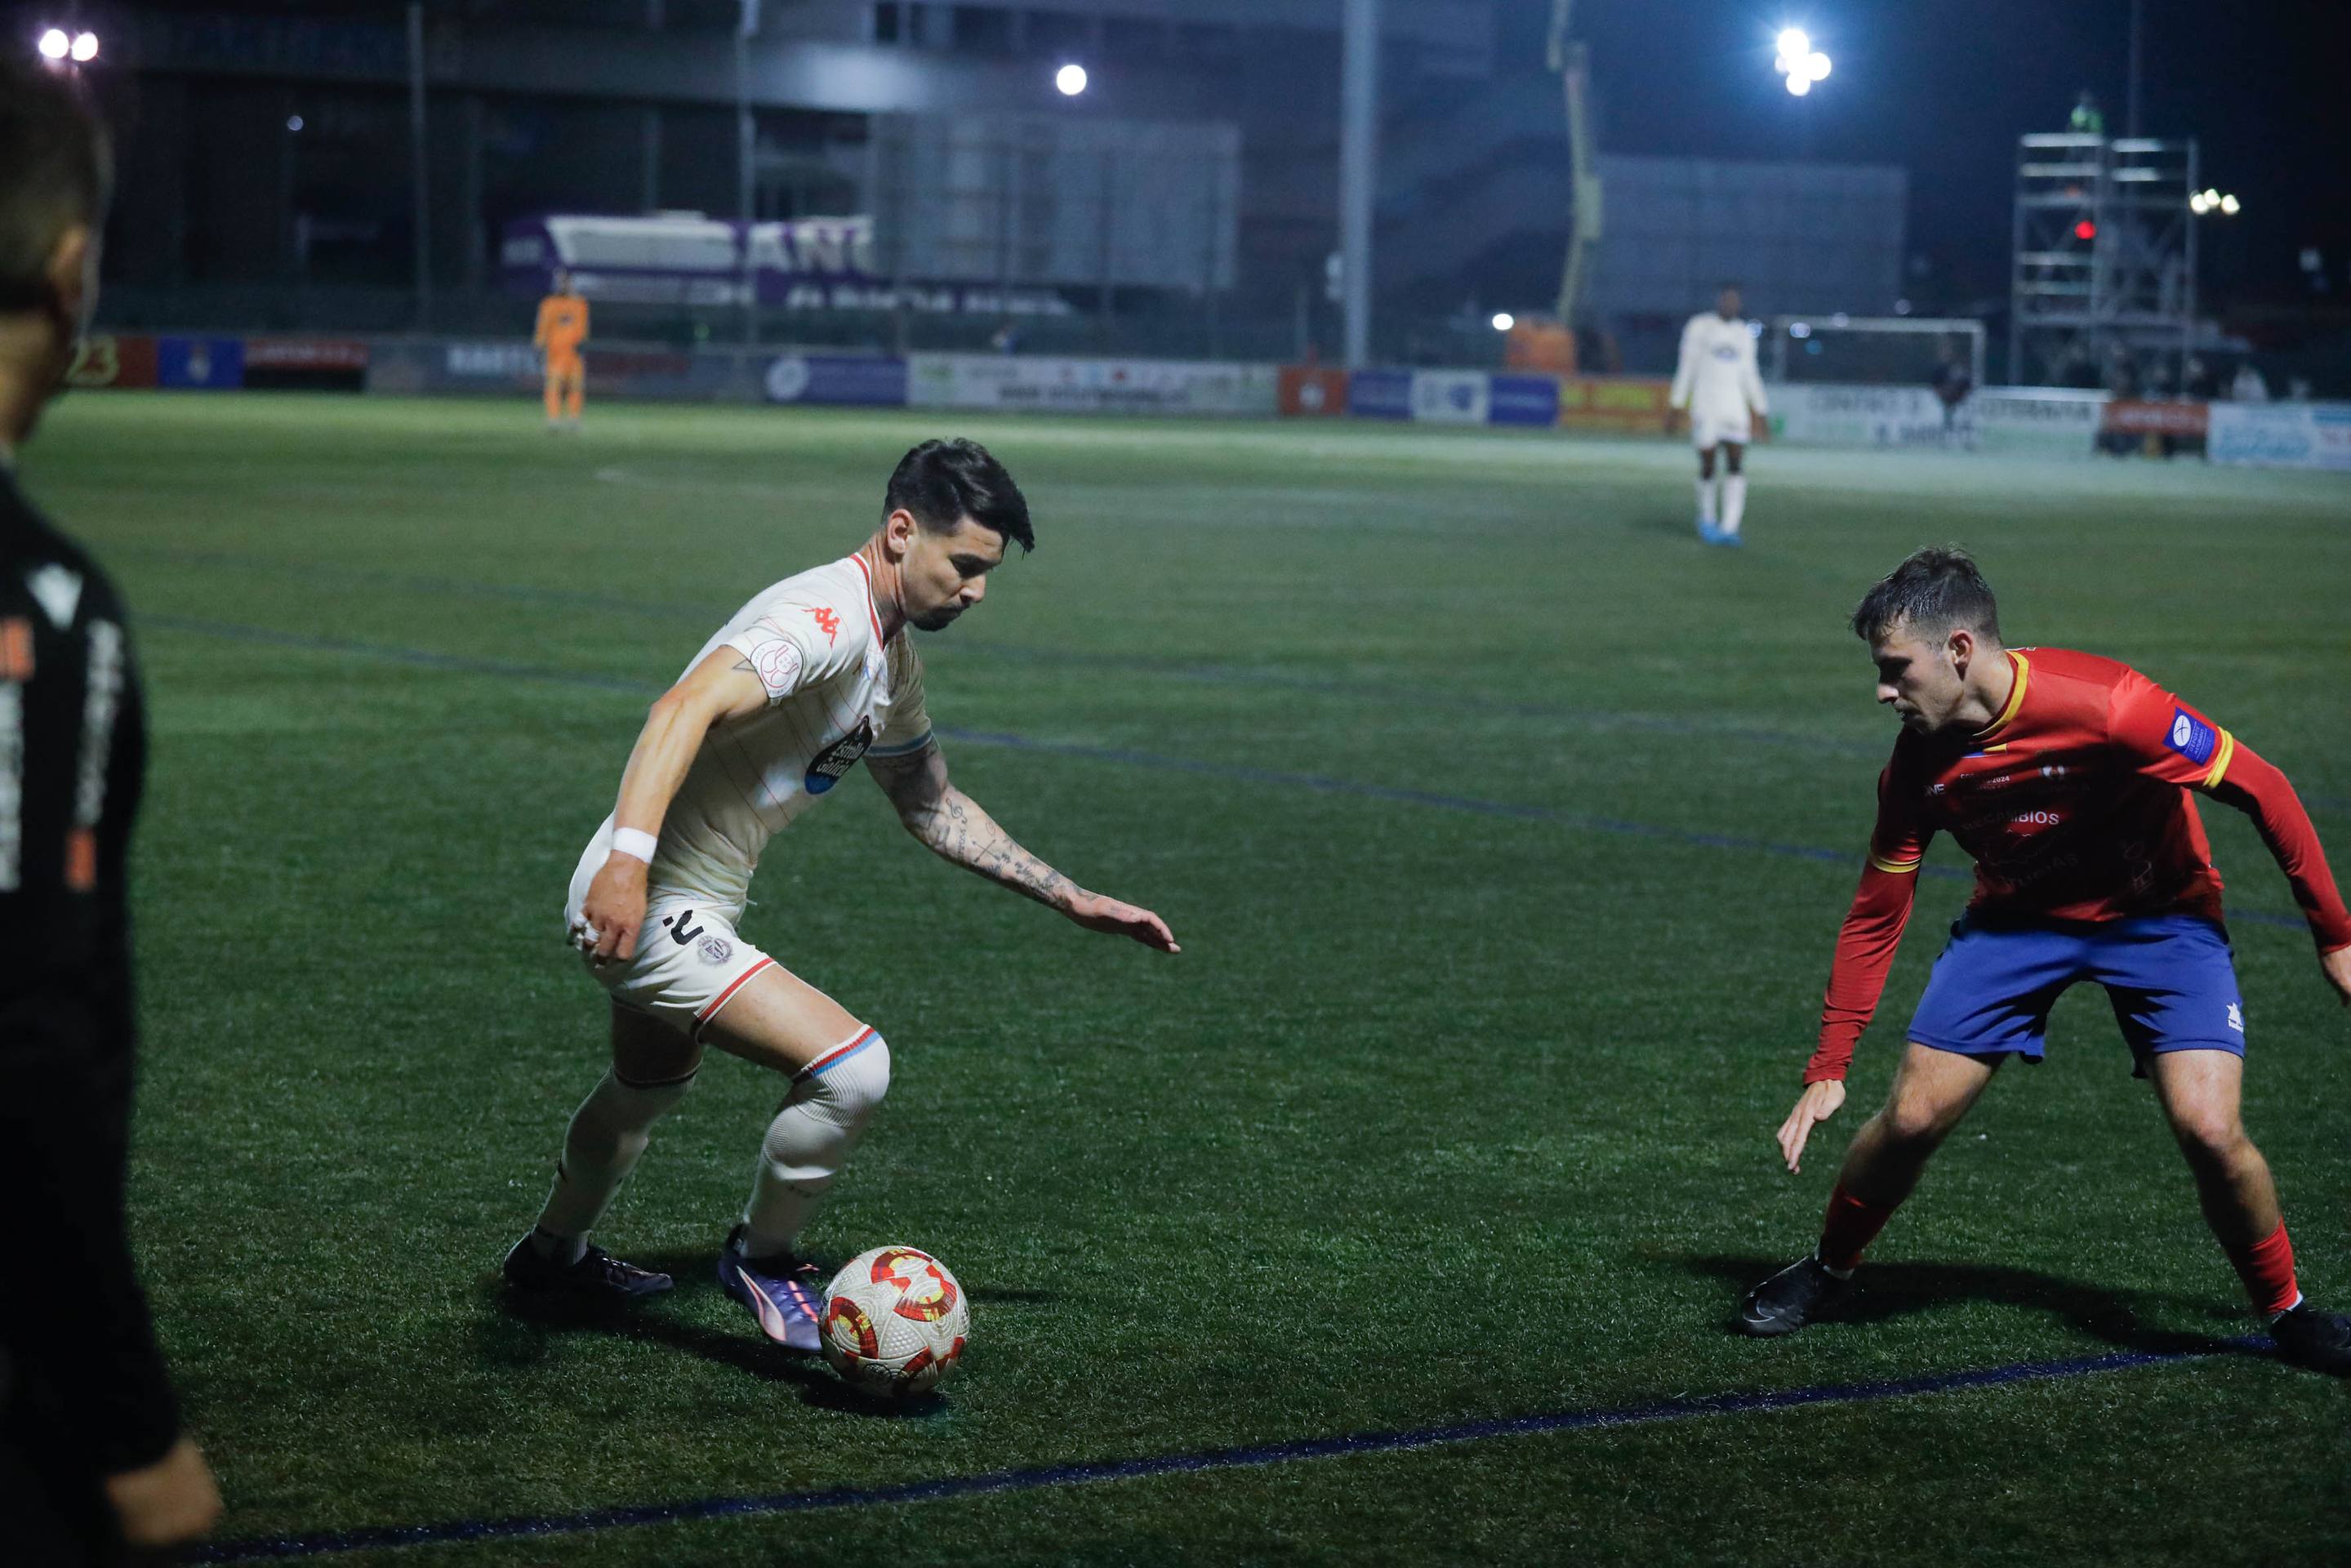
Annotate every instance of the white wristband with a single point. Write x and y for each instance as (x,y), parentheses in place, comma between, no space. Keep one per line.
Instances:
(634,842)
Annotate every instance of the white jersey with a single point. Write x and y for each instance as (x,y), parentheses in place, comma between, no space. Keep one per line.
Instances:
(1716,379)
(836,693)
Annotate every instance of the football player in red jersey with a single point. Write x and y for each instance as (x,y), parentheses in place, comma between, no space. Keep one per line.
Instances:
(2068,777)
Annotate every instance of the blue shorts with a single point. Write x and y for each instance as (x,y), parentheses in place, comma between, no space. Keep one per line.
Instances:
(2169,977)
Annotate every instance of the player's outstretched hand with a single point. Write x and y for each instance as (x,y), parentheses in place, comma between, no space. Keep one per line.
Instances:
(1817,1104)
(2337,966)
(168,1503)
(1112,918)
(613,911)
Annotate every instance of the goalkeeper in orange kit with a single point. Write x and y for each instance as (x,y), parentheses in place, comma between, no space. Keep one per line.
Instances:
(563,329)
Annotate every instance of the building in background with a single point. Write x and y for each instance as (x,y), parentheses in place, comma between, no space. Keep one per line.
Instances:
(1184,202)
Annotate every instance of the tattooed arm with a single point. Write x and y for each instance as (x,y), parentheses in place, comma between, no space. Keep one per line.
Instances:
(955,827)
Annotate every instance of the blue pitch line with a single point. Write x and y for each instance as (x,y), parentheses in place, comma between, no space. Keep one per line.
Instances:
(1209,674)
(1319,783)
(327,1543)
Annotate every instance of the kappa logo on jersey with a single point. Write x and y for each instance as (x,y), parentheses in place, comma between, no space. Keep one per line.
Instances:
(16,649)
(827,621)
(2236,1018)
(2191,737)
(832,765)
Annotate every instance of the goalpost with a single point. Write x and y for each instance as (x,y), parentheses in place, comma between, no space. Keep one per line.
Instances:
(1873,350)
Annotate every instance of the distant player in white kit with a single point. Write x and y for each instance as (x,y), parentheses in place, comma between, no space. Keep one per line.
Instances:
(1717,381)
(809,678)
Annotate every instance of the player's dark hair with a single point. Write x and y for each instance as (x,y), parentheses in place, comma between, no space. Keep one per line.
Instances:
(56,170)
(940,483)
(1939,588)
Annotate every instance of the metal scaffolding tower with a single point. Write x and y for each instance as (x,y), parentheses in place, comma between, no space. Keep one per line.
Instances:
(2105,253)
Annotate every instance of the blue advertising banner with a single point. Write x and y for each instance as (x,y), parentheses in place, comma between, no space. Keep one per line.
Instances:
(1380,395)
(204,364)
(1523,400)
(840,378)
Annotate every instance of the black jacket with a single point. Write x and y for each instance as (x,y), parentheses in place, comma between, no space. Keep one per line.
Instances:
(80,1373)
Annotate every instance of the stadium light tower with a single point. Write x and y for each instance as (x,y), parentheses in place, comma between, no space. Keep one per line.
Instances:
(1799,63)
(1070,79)
(54,43)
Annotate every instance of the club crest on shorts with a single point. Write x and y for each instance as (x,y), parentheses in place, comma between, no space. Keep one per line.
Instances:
(716,950)
(832,765)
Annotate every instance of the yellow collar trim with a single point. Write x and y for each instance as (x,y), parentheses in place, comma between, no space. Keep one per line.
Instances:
(2023,667)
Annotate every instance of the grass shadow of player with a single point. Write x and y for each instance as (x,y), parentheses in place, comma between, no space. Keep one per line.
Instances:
(518,1328)
(1899,1290)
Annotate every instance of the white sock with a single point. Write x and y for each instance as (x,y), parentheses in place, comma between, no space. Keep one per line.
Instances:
(607,1133)
(1705,501)
(832,1100)
(1734,501)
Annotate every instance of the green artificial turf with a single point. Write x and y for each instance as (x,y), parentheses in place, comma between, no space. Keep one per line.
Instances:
(1452,762)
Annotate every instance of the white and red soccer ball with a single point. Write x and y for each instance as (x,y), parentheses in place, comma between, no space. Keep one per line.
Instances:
(895,1321)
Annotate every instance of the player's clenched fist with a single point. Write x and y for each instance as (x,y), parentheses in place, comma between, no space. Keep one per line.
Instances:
(612,912)
(1817,1104)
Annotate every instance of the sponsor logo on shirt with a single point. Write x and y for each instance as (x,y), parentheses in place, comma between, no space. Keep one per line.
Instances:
(2191,737)
(832,765)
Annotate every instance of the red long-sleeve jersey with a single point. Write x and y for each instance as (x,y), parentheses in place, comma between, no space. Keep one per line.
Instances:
(2074,803)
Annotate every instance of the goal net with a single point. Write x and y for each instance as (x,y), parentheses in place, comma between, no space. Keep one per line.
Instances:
(1873,350)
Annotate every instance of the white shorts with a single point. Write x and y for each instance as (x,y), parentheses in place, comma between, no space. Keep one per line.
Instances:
(1706,432)
(689,961)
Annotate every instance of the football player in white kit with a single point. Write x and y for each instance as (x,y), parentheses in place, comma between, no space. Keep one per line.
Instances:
(1717,381)
(813,675)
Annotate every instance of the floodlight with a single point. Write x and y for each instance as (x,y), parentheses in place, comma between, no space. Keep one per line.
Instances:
(1816,66)
(1070,79)
(1799,83)
(54,45)
(2211,198)
(293,122)
(2197,205)
(1504,320)
(85,47)
(1795,43)
(2228,205)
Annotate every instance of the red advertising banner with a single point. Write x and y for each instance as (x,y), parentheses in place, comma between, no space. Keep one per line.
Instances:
(1311,391)
(305,354)
(108,361)
(2126,416)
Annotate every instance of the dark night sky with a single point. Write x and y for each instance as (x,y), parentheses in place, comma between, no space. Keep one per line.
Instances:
(1944,89)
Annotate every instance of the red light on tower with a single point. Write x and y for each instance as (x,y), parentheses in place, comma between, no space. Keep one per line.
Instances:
(2085,229)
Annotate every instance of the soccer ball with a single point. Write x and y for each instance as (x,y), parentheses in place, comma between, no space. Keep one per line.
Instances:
(895,1321)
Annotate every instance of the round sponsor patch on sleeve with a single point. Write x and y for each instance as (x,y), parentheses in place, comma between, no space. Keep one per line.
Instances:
(778,663)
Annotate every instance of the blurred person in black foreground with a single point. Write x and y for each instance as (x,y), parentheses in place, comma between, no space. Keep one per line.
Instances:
(93,1466)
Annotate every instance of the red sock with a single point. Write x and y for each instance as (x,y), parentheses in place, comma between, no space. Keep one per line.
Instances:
(2267,1270)
(1851,1226)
